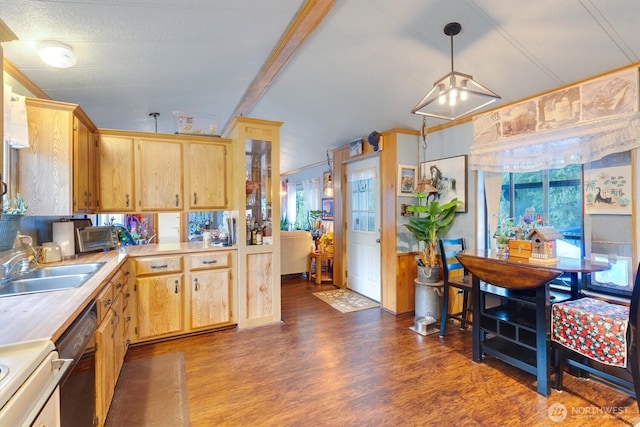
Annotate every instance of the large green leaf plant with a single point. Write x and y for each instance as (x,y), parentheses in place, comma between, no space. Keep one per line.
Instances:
(433,221)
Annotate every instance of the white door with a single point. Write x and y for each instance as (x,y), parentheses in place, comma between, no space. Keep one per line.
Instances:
(363,227)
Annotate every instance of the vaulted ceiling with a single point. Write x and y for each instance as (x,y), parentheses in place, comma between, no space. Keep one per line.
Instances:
(362,68)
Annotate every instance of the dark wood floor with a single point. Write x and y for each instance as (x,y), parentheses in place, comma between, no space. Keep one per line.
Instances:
(320,367)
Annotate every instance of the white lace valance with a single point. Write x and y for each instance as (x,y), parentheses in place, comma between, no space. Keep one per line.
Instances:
(561,128)
(362,174)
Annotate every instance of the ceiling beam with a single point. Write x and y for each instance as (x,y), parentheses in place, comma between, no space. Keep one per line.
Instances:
(305,22)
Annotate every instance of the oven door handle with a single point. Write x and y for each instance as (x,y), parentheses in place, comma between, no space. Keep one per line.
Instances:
(63,366)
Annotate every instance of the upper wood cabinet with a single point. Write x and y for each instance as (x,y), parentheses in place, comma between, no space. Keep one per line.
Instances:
(207,184)
(84,168)
(149,172)
(54,172)
(160,171)
(116,183)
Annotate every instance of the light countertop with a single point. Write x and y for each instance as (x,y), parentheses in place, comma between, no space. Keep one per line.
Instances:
(46,315)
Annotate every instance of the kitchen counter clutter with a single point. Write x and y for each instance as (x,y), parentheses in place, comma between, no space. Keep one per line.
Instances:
(47,315)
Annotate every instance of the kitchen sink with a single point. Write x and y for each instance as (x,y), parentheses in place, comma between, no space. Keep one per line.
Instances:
(62,270)
(50,279)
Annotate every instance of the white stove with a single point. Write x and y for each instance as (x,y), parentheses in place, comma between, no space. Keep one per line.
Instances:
(27,370)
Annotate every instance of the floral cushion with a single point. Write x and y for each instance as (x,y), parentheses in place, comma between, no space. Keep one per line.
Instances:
(593,328)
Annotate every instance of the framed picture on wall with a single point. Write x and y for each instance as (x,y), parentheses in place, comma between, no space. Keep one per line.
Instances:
(327,209)
(406,180)
(355,147)
(449,177)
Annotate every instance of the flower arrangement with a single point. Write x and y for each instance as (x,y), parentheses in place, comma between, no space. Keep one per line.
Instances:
(325,242)
(507,229)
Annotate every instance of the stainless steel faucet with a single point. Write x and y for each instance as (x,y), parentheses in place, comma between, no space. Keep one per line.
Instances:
(16,263)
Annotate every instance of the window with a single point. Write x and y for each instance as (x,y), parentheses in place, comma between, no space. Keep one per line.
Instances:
(554,197)
(363,205)
(302,216)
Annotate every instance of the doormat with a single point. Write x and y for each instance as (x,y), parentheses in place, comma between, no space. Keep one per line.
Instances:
(151,392)
(346,301)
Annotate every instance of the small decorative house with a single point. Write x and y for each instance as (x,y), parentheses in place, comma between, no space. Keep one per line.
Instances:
(543,243)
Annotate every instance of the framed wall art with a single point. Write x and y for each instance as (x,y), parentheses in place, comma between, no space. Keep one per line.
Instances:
(607,190)
(449,177)
(406,180)
(327,209)
(355,147)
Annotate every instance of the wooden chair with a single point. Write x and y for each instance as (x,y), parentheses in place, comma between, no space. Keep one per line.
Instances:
(589,314)
(454,275)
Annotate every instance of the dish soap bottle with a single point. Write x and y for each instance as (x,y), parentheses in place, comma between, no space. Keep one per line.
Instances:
(206,235)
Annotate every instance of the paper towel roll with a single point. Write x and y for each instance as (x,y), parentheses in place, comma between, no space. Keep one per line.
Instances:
(63,236)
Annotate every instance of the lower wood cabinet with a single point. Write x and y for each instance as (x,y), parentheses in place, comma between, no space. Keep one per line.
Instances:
(159,304)
(179,294)
(111,340)
(210,279)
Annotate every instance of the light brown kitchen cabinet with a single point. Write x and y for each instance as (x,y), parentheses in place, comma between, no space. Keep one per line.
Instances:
(111,340)
(84,168)
(160,171)
(105,360)
(158,296)
(257,143)
(207,179)
(49,174)
(210,289)
(150,172)
(116,182)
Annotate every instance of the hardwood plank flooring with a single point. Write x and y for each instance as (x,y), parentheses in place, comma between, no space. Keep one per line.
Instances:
(320,367)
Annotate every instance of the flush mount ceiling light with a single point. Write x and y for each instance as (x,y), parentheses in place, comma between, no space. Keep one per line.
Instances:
(456,94)
(57,54)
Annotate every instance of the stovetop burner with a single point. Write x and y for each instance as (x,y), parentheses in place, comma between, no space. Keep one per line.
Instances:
(4,371)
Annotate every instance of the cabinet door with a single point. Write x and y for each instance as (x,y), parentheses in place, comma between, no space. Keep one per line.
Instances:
(207,164)
(105,361)
(44,172)
(159,305)
(116,182)
(160,175)
(119,343)
(210,304)
(84,165)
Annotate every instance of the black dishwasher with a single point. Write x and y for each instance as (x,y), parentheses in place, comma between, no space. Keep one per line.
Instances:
(77,392)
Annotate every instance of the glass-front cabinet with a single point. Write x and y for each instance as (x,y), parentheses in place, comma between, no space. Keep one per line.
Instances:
(256,145)
(258,180)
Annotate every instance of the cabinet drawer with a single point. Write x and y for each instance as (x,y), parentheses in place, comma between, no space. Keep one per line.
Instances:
(118,281)
(210,260)
(158,265)
(104,301)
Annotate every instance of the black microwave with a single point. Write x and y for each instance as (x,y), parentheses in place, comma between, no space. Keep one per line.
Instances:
(96,238)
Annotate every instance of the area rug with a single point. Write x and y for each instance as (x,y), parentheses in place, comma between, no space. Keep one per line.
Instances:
(151,392)
(346,301)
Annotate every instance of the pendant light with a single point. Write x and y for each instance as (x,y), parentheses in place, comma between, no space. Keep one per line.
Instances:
(455,94)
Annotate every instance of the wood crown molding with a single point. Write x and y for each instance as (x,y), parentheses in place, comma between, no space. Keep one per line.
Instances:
(23,80)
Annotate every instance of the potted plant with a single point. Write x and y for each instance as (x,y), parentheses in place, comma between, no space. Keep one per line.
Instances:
(10,219)
(432,222)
